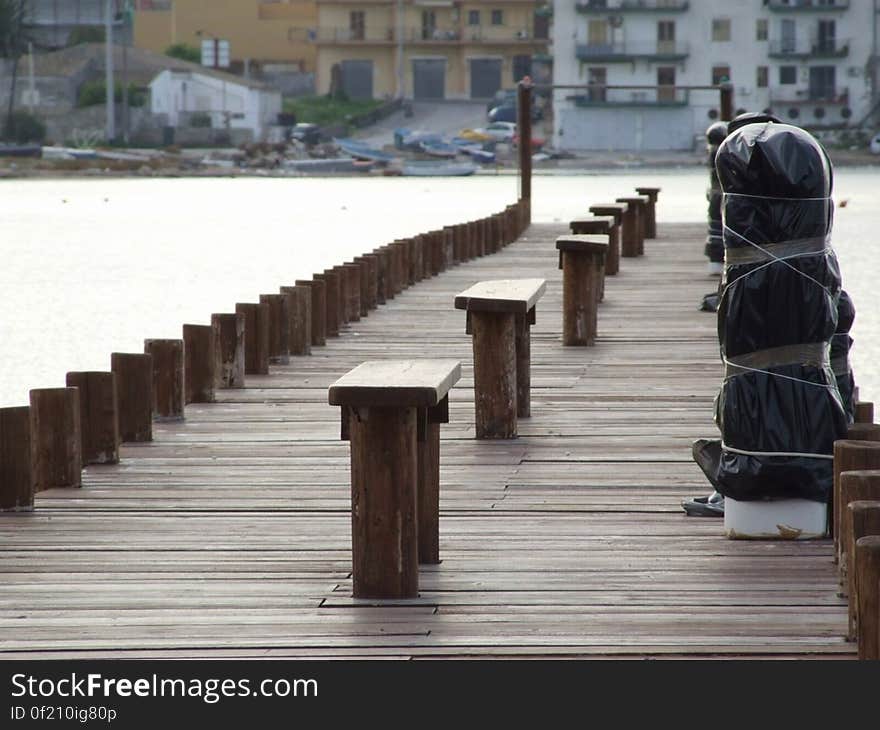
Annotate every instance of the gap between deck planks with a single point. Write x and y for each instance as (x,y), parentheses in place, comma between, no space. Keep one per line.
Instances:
(229,535)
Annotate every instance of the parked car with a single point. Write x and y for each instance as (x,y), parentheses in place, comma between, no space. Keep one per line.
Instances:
(499,131)
(502,97)
(309,134)
(507,112)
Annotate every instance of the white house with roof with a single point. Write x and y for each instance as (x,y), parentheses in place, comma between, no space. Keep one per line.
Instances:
(810,62)
(229,102)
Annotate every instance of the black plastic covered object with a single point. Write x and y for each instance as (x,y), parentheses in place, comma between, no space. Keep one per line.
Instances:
(841,343)
(779,408)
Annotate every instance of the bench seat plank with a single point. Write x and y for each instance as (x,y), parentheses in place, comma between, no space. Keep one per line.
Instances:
(396,383)
(503,295)
(578,243)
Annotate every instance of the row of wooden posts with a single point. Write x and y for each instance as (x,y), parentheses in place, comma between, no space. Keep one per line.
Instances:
(46,444)
(855,526)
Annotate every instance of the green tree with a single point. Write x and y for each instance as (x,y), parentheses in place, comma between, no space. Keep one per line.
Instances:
(12,43)
(184,52)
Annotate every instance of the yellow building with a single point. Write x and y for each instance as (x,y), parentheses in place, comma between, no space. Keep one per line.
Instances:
(427,49)
(260,31)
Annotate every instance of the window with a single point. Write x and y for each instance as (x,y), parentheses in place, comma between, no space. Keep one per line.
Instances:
(761,29)
(666,83)
(356,24)
(497,17)
(666,36)
(720,74)
(721,29)
(788,74)
(596,81)
(473,17)
(763,77)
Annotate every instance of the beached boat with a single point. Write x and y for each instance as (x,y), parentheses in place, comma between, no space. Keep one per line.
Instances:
(68,153)
(327,166)
(20,150)
(439,149)
(438,168)
(362,151)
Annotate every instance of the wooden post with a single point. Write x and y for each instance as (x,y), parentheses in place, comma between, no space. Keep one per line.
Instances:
(578,300)
(317,310)
(344,295)
(383,256)
(495,382)
(651,210)
(868,595)
(168,378)
(99,416)
(200,367)
(854,486)
(863,432)
(331,301)
(726,103)
(352,273)
(524,364)
(862,518)
(385,552)
(56,441)
(16,478)
(849,456)
(279,328)
(256,337)
(524,126)
(864,411)
(134,388)
(448,258)
(629,245)
(299,309)
(369,281)
(229,350)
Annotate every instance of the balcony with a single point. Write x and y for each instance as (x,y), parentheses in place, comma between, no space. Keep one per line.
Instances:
(602,96)
(379,35)
(821,6)
(812,49)
(386,35)
(603,7)
(622,52)
(803,97)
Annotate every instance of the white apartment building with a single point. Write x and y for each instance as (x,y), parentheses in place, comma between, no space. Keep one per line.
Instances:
(810,62)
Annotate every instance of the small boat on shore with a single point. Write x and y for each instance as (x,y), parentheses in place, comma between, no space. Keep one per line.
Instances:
(438,168)
(20,150)
(329,165)
(440,149)
(362,150)
(68,153)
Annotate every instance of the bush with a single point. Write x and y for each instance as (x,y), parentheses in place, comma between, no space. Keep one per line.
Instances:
(22,127)
(184,52)
(92,93)
(86,34)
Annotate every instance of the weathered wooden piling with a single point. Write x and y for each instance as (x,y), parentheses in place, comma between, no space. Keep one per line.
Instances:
(352,275)
(603,226)
(581,259)
(863,432)
(331,302)
(382,265)
(56,440)
(229,349)
(495,385)
(344,295)
(256,337)
(849,456)
(867,566)
(300,319)
(632,241)
(862,518)
(279,328)
(369,281)
(99,416)
(650,210)
(134,388)
(16,477)
(200,362)
(317,312)
(864,411)
(168,378)
(854,486)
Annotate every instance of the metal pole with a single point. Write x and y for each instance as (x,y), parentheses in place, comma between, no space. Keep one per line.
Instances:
(108,82)
(726,102)
(32,86)
(400,31)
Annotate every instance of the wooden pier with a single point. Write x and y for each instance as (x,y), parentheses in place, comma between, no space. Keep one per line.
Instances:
(229,535)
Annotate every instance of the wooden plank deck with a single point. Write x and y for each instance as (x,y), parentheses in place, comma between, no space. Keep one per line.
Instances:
(229,535)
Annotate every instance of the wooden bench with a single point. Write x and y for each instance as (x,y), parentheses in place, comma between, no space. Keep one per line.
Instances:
(651,217)
(599,225)
(499,314)
(391,414)
(616,211)
(633,241)
(580,258)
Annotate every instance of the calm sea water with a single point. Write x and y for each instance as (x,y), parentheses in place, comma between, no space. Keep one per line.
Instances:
(93,266)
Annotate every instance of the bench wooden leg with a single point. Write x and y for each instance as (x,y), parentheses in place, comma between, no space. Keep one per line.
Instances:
(429,495)
(867,567)
(384,473)
(523,366)
(629,245)
(495,386)
(579,299)
(862,518)
(612,259)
